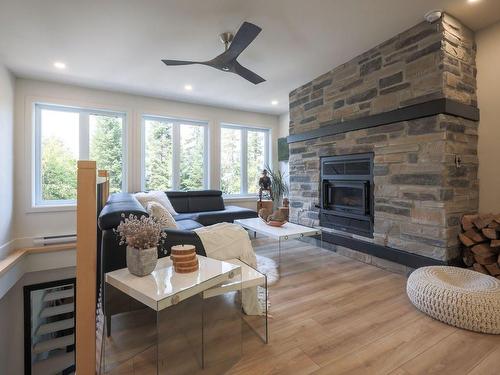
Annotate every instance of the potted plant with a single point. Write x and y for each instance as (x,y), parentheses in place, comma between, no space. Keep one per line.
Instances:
(142,236)
(279,186)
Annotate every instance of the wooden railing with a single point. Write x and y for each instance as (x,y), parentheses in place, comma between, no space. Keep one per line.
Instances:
(86,261)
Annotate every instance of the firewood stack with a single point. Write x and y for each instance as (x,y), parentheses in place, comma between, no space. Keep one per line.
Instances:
(481,240)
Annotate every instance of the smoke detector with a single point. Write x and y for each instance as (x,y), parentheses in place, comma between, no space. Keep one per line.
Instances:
(433,15)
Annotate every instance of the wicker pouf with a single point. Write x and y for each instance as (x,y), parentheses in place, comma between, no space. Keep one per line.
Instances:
(457,296)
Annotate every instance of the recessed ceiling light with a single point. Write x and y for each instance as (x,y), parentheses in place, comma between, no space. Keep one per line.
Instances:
(188,87)
(59,65)
(274,102)
(473,1)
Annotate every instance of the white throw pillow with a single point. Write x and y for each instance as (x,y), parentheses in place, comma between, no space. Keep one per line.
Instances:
(160,213)
(155,196)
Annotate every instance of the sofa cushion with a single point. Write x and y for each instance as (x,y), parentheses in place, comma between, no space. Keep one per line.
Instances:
(206,201)
(179,201)
(188,224)
(155,196)
(187,216)
(195,201)
(229,214)
(161,214)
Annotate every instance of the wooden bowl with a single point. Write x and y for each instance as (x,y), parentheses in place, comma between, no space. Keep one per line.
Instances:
(274,223)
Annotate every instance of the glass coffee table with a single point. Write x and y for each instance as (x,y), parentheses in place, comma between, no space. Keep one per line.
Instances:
(287,231)
(188,324)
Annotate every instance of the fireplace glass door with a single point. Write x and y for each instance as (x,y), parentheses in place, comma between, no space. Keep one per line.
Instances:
(349,197)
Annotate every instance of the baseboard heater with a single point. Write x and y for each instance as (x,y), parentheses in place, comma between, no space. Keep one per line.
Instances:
(54,240)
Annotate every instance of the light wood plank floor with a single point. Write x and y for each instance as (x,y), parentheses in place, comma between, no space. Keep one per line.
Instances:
(335,315)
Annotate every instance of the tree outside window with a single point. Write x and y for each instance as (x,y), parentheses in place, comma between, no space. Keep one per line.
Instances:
(174,154)
(244,153)
(64,135)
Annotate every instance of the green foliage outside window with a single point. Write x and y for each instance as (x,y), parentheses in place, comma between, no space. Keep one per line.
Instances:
(230,164)
(106,148)
(158,162)
(58,163)
(191,159)
(58,171)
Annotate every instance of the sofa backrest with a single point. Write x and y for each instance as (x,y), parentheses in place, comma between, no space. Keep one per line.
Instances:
(196,200)
(118,203)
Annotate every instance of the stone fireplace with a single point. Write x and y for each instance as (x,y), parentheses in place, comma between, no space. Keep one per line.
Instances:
(410,106)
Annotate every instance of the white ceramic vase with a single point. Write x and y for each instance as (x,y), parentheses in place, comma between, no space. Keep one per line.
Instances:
(141,262)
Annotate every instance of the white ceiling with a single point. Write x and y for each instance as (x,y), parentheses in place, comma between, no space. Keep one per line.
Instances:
(118,44)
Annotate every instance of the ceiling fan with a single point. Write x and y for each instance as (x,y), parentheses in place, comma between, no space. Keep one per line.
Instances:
(234,46)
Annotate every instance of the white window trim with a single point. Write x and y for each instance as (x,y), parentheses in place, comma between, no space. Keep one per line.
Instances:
(83,142)
(244,194)
(176,123)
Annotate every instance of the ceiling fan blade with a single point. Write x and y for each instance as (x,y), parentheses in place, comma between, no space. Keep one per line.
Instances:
(244,36)
(247,74)
(179,62)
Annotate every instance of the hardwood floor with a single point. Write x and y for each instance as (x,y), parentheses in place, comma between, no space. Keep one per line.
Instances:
(335,315)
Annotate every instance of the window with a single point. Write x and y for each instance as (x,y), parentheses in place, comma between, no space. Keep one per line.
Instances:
(62,136)
(244,153)
(175,154)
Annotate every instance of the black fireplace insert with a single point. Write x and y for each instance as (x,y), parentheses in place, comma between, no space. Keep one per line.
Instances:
(347,193)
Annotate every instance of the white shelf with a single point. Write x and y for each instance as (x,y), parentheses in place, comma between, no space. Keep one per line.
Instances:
(60,294)
(57,310)
(61,325)
(57,343)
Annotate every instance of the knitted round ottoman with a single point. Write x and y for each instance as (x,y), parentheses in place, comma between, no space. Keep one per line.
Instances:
(457,296)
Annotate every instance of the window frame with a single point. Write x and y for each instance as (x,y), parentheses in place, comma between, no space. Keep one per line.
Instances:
(83,148)
(176,147)
(244,154)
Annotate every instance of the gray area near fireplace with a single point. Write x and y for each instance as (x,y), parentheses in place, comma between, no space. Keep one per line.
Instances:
(425,168)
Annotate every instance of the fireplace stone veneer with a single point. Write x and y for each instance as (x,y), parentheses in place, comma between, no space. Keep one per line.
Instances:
(424,168)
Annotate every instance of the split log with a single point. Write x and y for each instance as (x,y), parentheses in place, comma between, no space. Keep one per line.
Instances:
(467,223)
(475,236)
(486,259)
(490,233)
(494,225)
(483,249)
(468,257)
(466,240)
(493,269)
(483,220)
(495,243)
(479,268)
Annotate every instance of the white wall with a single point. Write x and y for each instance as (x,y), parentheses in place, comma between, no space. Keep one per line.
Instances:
(7,83)
(33,222)
(488,93)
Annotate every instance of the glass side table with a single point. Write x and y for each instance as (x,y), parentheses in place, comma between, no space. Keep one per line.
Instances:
(177,330)
(253,286)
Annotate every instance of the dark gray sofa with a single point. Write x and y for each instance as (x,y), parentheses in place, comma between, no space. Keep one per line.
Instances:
(195,209)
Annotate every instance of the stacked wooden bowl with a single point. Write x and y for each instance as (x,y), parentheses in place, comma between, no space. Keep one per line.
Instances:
(184,258)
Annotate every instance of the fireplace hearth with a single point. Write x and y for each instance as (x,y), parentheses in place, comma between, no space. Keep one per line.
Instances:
(347,193)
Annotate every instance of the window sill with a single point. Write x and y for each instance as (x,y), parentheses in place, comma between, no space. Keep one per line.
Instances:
(240,198)
(51,208)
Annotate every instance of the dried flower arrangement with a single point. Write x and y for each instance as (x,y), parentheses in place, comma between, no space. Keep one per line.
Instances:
(140,233)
